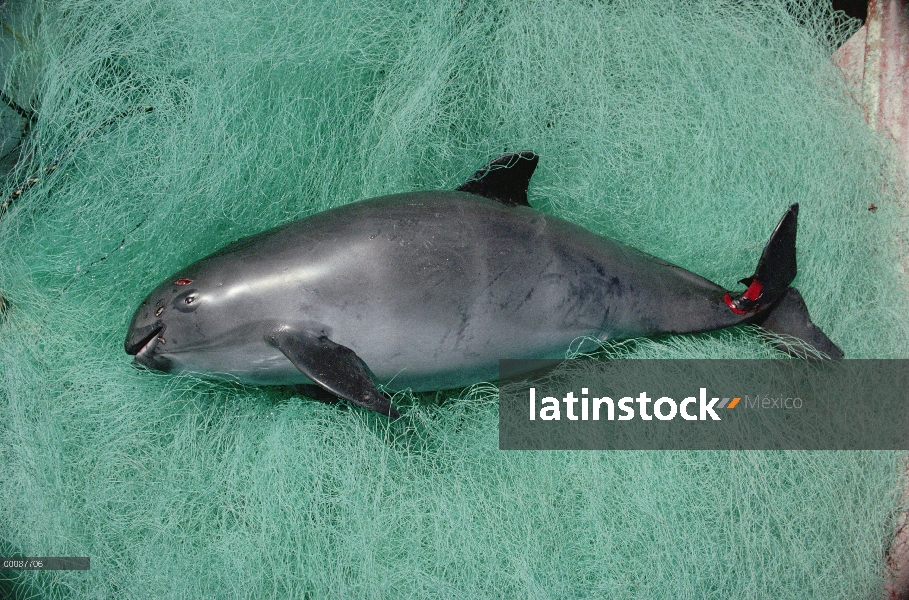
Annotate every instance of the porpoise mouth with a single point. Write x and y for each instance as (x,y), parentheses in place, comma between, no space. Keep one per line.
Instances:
(143,339)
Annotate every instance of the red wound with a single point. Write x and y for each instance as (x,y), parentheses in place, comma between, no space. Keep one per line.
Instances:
(183,281)
(728,300)
(751,294)
(754,290)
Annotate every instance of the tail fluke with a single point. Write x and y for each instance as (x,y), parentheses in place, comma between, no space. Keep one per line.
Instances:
(790,319)
(775,270)
(776,307)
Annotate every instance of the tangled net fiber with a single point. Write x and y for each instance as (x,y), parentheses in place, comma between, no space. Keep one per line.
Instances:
(155,132)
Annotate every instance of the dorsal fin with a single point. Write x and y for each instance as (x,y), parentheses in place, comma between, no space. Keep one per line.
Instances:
(504,179)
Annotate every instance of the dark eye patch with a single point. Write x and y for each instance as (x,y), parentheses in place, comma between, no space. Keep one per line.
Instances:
(187,301)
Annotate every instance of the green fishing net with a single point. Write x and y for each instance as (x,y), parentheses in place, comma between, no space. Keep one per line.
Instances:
(162,130)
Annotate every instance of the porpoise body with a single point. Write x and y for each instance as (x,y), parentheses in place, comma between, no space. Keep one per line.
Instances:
(429,290)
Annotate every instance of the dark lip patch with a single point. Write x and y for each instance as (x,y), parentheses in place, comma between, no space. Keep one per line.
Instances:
(141,337)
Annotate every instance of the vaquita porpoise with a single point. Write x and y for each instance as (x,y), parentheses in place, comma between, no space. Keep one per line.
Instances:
(428,290)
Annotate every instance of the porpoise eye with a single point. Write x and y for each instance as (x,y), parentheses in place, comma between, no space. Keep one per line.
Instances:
(189,299)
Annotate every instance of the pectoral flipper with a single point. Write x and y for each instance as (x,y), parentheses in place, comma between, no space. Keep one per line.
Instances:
(333,367)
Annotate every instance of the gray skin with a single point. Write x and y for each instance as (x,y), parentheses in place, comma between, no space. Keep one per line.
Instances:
(428,290)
